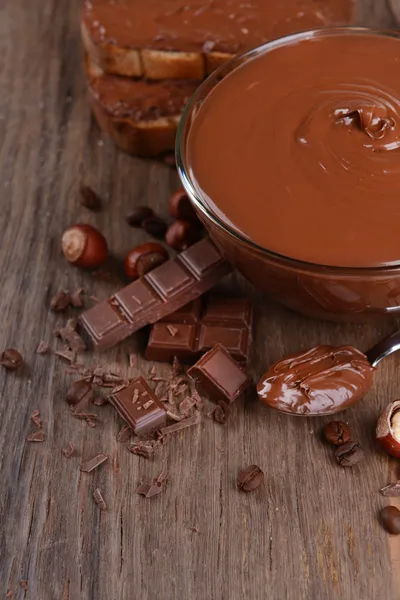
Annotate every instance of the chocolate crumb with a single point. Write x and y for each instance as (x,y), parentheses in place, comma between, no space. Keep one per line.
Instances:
(76,300)
(93,463)
(186,405)
(73,339)
(154,486)
(174,416)
(172,330)
(98,498)
(42,347)
(38,436)
(24,584)
(89,199)
(118,388)
(97,380)
(90,422)
(141,449)
(392,490)
(35,419)
(221,412)
(132,360)
(194,529)
(69,450)
(100,401)
(66,354)
(124,434)
(60,301)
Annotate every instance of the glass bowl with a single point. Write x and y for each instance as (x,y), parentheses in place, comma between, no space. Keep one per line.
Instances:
(334,293)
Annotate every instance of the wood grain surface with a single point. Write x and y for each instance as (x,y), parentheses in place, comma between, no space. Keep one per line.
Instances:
(310,533)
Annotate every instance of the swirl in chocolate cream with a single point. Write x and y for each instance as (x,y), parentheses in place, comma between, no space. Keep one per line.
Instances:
(299,148)
(320,381)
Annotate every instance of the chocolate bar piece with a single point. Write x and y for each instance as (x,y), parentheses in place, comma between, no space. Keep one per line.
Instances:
(139,407)
(219,376)
(198,326)
(158,294)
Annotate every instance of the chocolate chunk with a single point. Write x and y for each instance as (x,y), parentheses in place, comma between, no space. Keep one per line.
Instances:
(11,359)
(132,404)
(158,294)
(38,436)
(141,449)
(219,375)
(153,486)
(250,478)
(392,490)
(93,463)
(98,498)
(60,301)
(89,198)
(201,324)
(76,300)
(73,339)
(79,391)
(349,454)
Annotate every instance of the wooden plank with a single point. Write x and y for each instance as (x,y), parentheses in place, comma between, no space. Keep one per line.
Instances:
(312,531)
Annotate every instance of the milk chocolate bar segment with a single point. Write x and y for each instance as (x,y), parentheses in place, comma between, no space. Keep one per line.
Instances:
(139,407)
(219,375)
(160,293)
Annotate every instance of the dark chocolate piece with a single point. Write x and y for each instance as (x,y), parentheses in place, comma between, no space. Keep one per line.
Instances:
(139,407)
(38,436)
(199,325)
(219,375)
(158,294)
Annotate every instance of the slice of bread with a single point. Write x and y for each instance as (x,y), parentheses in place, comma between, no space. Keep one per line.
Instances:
(171,39)
(140,116)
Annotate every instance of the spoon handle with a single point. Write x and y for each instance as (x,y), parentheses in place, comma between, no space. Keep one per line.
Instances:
(384,348)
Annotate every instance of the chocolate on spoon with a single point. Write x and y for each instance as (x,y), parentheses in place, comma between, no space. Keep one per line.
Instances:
(323,380)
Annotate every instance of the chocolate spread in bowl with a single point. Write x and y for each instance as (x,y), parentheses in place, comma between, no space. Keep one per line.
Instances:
(299,149)
(207,25)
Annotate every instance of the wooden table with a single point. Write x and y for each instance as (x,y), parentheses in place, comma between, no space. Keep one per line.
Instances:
(311,533)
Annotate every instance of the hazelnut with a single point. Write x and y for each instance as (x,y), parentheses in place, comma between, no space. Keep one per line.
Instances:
(180,207)
(136,217)
(390,519)
(143,259)
(181,235)
(84,246)
(388,429)
(11,359)
(337,433)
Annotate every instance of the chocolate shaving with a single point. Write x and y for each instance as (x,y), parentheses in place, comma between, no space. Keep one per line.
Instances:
(141,449)
(60,301)
(85,416)
(186,405)
(98,498)
(35,419)
(193,420)
(73,339)
(42,347)
(93,463)
(151,488)
(135,396)
(69,450)
(76,300)
(120,387)
(38,436)
(124,434)
(174,416)
(67,354)
(392,490)
(24,584)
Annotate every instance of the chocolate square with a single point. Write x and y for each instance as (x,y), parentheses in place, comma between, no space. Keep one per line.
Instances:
(170,279)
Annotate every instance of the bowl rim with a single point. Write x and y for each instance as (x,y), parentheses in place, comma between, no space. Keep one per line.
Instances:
(186,174)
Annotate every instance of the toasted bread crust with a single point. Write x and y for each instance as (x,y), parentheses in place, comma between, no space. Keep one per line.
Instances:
(151,64)
(141,117)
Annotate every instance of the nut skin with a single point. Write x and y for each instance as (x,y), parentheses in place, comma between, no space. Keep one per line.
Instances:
(390,519)
(337,433)
(182,234)
(180,207)
(136,217)
(386,432)
(84,246)
(144,258)
(11,359)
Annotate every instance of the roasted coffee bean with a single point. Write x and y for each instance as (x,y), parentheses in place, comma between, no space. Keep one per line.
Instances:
(349,454)
(390,518)
(136,217)
(337,433)
(250,479)
(155,226)
(11,359)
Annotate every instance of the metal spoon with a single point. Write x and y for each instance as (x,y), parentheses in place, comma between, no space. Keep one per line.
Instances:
(384,348)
